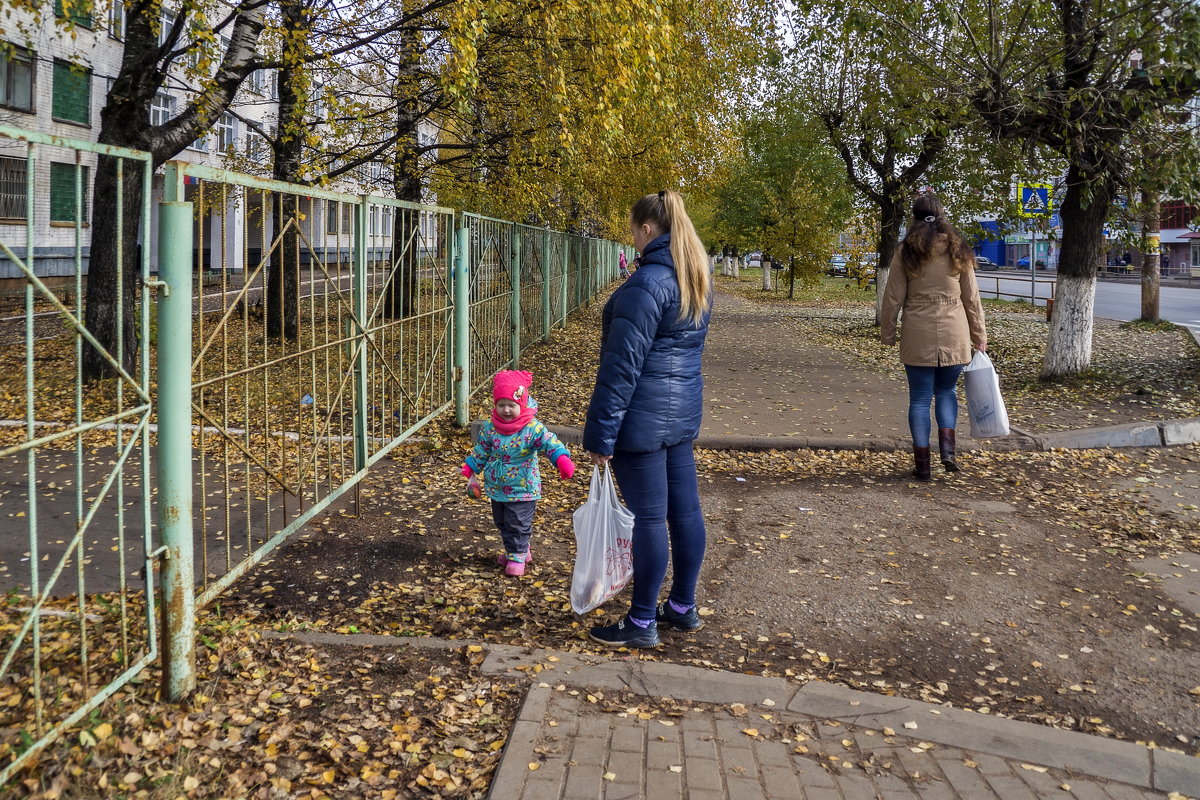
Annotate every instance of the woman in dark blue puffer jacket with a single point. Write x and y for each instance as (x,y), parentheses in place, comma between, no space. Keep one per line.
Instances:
(645,413)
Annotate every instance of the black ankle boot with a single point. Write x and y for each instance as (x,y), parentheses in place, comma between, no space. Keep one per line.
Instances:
(946,446)
(921,459)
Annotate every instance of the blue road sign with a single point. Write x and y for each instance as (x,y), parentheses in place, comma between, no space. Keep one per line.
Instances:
(1035,199)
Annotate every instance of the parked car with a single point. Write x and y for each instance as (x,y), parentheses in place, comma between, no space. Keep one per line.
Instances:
(1023,263)
(754,259)
(867,264)
(837,265)
(986,264)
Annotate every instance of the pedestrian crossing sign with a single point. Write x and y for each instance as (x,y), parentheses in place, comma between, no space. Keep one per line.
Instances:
(1035,199)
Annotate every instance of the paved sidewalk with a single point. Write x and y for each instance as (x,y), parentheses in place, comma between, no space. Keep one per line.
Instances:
(685,732)
(617,728)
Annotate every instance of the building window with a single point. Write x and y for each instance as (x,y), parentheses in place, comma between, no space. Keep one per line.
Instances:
(72,93)
(76,10)
(16,79)
(273,85)
(256,81)
(317,99)
(166,21)
(65,180)
(116,19)
(162,108)
(12,188)
(226,131)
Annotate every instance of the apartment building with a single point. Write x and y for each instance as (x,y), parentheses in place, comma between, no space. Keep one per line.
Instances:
(54,79)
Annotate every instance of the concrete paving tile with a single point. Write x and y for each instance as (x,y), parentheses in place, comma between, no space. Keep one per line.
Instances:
(779,782)
(629,738)
(1123,791)
(991,765)
(661,755)
(855,784)
(1175,772)
(1010,787)
(583,783)
(967,782)
(744,787)
(628,767)
(1086,790)
(545,784)
(662,784)
(822,793)
(810,773)
(773,754)
(702,773)
(892,786)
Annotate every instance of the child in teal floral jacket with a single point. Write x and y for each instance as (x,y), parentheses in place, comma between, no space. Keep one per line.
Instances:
(507,458)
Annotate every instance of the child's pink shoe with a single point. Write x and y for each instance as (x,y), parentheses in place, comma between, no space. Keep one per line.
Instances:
(502,559)
(514,567)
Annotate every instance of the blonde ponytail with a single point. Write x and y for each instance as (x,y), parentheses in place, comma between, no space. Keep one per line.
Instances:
(666,212)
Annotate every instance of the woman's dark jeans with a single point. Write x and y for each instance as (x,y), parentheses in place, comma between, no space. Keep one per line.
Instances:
(926,384)
(661,490)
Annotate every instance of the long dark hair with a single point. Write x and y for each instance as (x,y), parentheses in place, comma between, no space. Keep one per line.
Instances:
(928,224)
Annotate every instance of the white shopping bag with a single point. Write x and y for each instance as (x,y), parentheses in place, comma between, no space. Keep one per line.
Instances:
(603,545)
(985,405)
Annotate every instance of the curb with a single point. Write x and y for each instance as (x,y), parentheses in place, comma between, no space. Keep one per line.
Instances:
(1166,433)
(1109,759)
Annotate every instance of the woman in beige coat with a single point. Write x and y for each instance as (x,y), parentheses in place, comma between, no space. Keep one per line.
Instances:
(933,280)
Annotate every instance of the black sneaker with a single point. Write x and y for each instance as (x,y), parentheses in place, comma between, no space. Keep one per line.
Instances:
(686,622)
(624,633)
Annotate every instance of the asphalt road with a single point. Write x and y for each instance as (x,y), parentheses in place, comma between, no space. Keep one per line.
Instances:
(1121,301)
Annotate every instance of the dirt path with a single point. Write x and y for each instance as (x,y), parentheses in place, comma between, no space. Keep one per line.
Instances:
(759,379)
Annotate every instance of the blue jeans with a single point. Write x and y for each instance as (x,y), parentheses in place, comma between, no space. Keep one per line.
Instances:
(661,490)
(926,384)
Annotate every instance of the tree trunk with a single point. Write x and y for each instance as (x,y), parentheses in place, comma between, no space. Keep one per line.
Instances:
(766,276)
(1151,257)
(406,177)
(283,272)
(125,121)
(107,260)
(1069,348)
(891,219)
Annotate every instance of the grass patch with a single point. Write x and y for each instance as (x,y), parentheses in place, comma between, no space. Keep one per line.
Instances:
(1161,326)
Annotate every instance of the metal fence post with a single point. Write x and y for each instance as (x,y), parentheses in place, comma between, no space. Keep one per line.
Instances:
(175,440)
(515,269)
(359,287)
(462,326)
(546,285)
(564,291)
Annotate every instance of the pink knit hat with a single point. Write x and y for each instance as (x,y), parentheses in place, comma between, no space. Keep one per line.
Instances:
(512,384)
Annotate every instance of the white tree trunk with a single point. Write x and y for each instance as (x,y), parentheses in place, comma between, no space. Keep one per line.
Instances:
(1069,349)
(727,269)
(881,276)
(766,277)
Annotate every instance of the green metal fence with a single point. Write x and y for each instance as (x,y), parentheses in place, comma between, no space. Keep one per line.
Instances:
(77,621)
(301,335)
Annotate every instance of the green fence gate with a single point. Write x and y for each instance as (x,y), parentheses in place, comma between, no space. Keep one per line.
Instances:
(78,619)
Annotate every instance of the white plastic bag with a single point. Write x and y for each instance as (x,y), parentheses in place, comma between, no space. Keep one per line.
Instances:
(985,405)
(603,545)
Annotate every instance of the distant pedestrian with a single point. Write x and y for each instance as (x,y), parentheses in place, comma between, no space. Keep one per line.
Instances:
(507,459)
(623,265)
(645,413)
(637,261)
(933,280)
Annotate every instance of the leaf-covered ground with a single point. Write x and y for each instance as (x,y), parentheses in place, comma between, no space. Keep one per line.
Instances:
(1137,373)
(1013,588)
